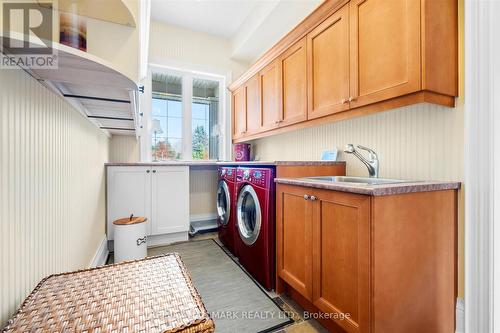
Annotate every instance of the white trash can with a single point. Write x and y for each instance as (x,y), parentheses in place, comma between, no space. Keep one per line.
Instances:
(130,239)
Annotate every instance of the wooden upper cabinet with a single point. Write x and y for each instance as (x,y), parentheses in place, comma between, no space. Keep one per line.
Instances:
(270,89)
(293,68)
(294,227)
(360,56)
(385,50)
(328,65)
(239,112)
(252,92)
(341,257)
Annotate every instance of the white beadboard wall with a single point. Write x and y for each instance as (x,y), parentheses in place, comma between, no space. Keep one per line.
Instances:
(124,148)
(52,199)
(419,142)
(203,193)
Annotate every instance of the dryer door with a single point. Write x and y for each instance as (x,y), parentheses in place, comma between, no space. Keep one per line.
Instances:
(249,215)
(223,202)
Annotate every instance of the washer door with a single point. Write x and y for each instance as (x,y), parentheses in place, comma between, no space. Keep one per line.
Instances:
(223,202)
(249,215)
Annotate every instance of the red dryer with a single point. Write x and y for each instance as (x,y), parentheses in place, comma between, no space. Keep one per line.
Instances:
(226,193)
(255,223)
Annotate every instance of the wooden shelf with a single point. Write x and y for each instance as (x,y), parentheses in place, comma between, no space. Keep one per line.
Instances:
(108,98)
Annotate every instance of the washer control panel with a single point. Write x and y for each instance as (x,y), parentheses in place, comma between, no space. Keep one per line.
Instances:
(227,173)
(260,177)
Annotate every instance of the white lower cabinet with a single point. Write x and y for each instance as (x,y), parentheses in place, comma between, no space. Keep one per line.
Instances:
(170,200)
(160,193)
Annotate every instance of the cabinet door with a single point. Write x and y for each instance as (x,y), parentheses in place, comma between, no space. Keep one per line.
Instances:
(385,49)
(170,199)
(294,232)
(341,257)
(239,112)
(253,105)
(293,68)
(270,88)
(128,192)
(328,65)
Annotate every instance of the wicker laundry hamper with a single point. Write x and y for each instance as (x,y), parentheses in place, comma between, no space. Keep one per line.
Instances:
(151,295)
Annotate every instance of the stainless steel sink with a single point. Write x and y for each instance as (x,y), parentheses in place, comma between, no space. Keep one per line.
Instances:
(355,180)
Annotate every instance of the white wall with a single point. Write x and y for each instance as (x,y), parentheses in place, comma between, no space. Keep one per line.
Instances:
(197,50)
(52,199)
(124,148)
(266,25)
(419,142)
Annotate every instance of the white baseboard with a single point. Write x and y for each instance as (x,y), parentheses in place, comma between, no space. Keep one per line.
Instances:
(160,240)
(101,254)
(202,217)
(460,316)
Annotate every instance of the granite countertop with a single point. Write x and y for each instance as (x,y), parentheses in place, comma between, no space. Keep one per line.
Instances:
(281,163)
(222,163)
(374,190)
(169,163)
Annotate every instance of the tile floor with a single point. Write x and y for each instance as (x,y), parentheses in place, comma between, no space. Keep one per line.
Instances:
(300,325)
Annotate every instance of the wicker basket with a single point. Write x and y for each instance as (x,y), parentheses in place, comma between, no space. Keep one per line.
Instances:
(155,294)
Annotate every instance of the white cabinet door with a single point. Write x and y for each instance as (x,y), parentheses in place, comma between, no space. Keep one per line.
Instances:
(170,199)
(129,192)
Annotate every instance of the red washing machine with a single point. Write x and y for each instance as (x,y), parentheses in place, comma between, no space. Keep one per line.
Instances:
(255,223)
(226,194)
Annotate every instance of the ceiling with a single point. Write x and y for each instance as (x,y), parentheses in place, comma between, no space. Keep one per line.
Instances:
(251,26)
(217,17)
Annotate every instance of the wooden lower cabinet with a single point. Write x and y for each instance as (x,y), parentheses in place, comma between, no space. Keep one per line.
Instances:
(369,263)
(295,241)
(341,256)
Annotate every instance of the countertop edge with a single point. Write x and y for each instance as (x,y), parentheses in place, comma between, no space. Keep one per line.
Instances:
(225,163)
(376,190)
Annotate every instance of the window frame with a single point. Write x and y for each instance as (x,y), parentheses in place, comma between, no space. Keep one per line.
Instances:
(187,76)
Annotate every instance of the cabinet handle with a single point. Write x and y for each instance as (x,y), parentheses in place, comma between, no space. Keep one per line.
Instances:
(344,100)
(351,99)
(154,171)
(306,197)
(148,171)
(313,198)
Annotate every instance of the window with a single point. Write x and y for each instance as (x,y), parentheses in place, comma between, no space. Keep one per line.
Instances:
(204,119)
(184,122)
(166,117)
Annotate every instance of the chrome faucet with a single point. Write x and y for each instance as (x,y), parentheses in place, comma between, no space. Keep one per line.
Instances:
(371,163)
